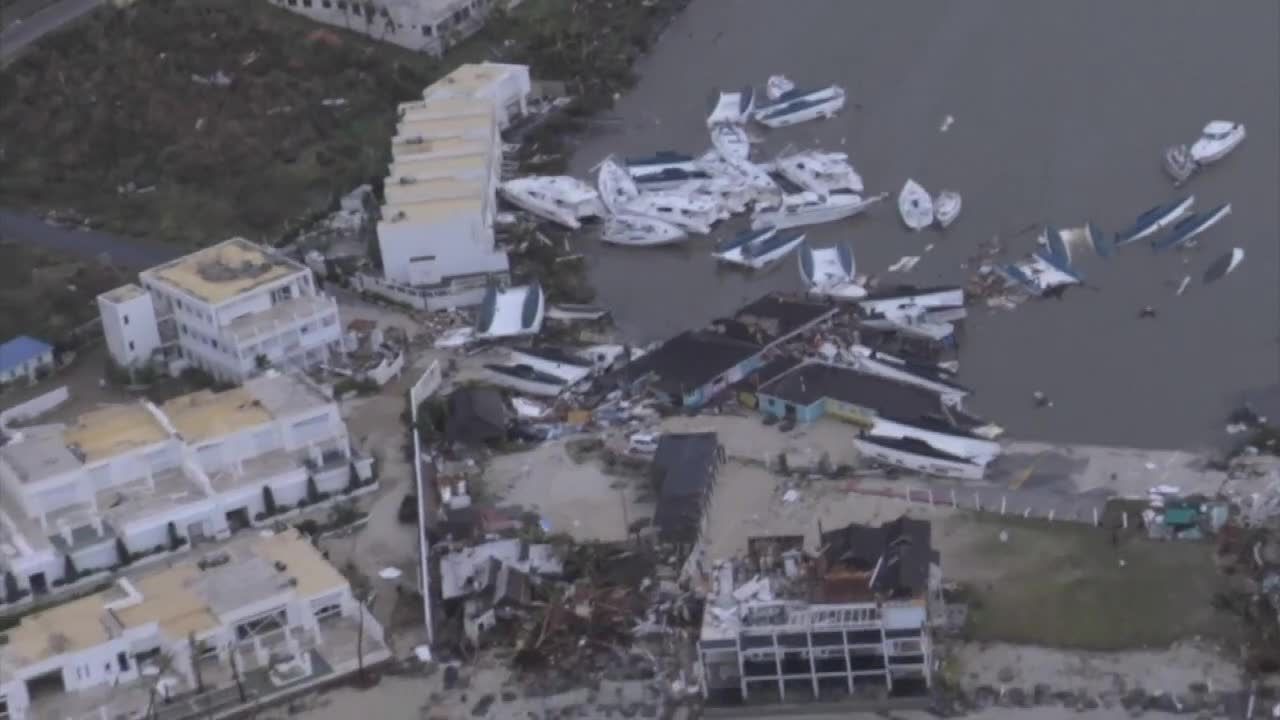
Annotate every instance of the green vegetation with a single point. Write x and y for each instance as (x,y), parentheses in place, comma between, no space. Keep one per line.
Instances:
(1063,585)
(131,100)
(44,294)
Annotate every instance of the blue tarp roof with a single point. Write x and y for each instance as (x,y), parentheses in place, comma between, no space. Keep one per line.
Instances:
(21,349)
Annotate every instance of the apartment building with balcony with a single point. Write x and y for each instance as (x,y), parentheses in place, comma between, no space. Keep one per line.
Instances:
(150,478)
(430,26)
(249,620)
(436,227)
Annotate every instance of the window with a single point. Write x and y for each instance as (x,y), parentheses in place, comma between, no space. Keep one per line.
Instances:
(426,30)
(342,5)
(130,344)
(328,611)
(126,319)
(327,4)
(306,3)
(123,659)
(262,625)
(293,3)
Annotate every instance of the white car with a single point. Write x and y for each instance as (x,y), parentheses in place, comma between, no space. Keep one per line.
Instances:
(1218,138)
(643,443)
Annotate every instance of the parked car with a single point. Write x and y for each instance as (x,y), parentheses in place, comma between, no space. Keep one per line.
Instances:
(643,443)
(408,513)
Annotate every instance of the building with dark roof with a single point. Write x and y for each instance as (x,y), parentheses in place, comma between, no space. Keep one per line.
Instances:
(476,415)
(892,561)
(773,319)
(683,476)
(813,389)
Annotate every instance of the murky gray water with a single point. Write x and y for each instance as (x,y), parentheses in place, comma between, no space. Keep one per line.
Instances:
(1062,110)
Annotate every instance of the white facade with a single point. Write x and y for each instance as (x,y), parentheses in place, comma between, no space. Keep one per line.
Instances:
(436,234)
(199,463)
(232,310)
(265,597)
(430,26)
(129,325)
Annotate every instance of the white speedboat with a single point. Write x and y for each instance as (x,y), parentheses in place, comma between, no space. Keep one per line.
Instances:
(821,172)
(799,106)
(733,108)
(915,206)
(946,208)
(693,214)
(511,311)
(560,199)
(1217,139)
(757,249)
(615,185)
(1154,220)
(636,231)
(810,208)
(732,142)
(829,272)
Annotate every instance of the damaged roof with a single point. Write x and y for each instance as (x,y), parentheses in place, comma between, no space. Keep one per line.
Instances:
(772,318)
(814,381)
(476,415)
(683,472)
(902,548)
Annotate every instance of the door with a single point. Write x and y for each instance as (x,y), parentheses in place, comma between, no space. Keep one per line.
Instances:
(238,519)
(39,586)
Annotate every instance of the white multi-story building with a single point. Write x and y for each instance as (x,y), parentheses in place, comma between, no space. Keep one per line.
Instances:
(154,478)
(430,26)
(232,310)
(436,235)
(267,613)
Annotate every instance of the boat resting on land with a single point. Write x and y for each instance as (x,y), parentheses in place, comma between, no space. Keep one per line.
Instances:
(757,249)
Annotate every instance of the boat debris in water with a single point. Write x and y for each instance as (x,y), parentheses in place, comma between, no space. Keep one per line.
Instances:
(777,86)
(636,231)
(797,106)
(733,108)
(810,208)
(820,172)
(1189,227)
(915,206)
(1154,220)
(1223,266)
(829,272)
(946,208)
(569,312)
(690,213)
(732,142)
(757,249)
(615,185)
(563,200)
(1217,140)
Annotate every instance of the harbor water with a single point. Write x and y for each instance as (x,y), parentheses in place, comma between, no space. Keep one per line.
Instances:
(1061,115)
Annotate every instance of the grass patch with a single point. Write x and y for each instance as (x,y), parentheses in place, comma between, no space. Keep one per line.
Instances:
(123,97)
(48,294)
(1062,585)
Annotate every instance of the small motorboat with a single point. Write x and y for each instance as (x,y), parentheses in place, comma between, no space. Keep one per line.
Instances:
(777,86)
(691,213)
(820,172)
(915,206)
(1190,226)
(799,106)
(946,208)
(615,185)
(733,108)
(759,248)
(507,312)
(1223,266)
(1217,139)
(732,142)
(636,231)
(1154,220)
(563,200)
(810,208)
(829,272)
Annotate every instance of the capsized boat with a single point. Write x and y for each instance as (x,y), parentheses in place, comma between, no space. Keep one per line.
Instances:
(777,86)
(907,296)
(563,200)
(761,250)
(637,231)
(732,142)
(1218,138)
(1153,220)
(1191,226)
(810,208)
(1054,247)
(799,106)
(946,208)
(1223,266)
(615,185)
(915,206)
(511,311)
(829,272)
(1038,274)
(916,455)
(733,108)
(820,172)
(690,213)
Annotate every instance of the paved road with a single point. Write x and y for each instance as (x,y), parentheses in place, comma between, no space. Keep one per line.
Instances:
(16,38)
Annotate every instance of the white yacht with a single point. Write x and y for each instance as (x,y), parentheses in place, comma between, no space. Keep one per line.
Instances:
(560,199)
(663,170)
(829,272)
(821,172)
(810,208)
(636,231)
(733,108)
(615,185)
(732,142)
(946,208)
(915,206)
(693,214)
(797,106)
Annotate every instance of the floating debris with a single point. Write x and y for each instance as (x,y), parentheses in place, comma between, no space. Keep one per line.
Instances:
(946,123)
(905,263)
(1223,265)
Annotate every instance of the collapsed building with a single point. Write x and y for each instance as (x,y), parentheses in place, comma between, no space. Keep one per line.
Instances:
(853,616)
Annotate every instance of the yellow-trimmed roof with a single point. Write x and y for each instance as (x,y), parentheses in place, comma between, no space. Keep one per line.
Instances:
(205,415)
(225,270)
(107,432)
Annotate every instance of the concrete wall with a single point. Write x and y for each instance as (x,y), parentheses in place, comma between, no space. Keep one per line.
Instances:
(34,407)
(777,407)
(428,253)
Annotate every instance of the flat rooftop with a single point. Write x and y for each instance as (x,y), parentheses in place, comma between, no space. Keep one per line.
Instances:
(446,107)
(181,599)
(411,150)
(225,270)
(473,77)
(431,210)
(206,415)
(110,431)
(123,293)
(40,453)
(442,188)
